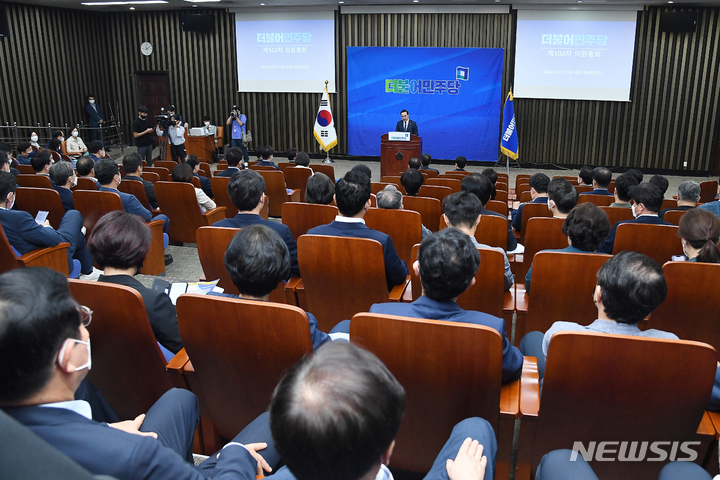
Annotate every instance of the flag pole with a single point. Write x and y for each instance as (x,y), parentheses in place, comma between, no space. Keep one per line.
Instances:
(327,152)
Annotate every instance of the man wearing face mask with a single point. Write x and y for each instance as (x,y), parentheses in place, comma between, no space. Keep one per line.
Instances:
(63,176)
(176,135)
(142,131)
(95,116)
(25,235)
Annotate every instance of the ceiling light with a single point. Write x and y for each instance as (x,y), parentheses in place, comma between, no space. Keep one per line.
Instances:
(131,2)
(202,1)
(341,1)
(132,8)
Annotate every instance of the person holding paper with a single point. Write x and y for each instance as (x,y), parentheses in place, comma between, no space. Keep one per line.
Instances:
(406,125)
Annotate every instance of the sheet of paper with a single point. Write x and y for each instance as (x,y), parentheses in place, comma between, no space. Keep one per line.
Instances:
(177,289)
(41,217)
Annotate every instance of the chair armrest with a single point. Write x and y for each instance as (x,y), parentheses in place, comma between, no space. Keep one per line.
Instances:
(294,196)
(407,295)
(51,257)
(397,292)
(176,369)
(715,419)
(510,399)
(521,298)
(290,287)
(215,215)
(152,223)
(156,212)
(529,389)
(509,300)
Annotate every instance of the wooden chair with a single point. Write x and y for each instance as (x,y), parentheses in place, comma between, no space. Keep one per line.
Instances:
(55,155)
(167,164)
(519,179)
(376,187)
(503,177)
(326,169)
(301,217)
(263,168)
(85,184)
(502,196)
(136,188)
(459,377)
(598,200)
(520,189)
(232,344)
(453,175)
(276,189)
(219,168)
(430,174)
(452,183)
(584,188)
(150,177)
(51,257)
(691,309)
(428,208)
(562,287)
(668,203)
(179,202)
(708,191)
(532,210)
(26,169)
(35,181)
(525,196)
(161,171)
(497,206)
(569,178)
(336,282)
(128,365)
(541,233)
(435,191)
(403,226)
(500,185)
(205,170)
(648,389)
(219,187)
(611,187)
(283,165)
(33,200)
(674,216)
(659,242)
(617,214)
(395,180)
(296,178)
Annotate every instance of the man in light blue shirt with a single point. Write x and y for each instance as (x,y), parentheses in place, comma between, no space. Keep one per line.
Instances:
(238,121)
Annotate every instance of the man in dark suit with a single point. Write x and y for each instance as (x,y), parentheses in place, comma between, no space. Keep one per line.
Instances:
(406,125)
(602,176)
(646,203)
(425,159)
(538,192)
(193,161)
(96,151)
(352,195)
(85,167)
(267,158)
(95,115)
(63,176)
(45,349)
(482,187)
(132,163)
(688,195)
(234,158)
(25,235)
(247,192)
(41,163)
(447,263)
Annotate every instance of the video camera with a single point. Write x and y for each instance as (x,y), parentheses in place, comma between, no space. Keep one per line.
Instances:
(234,111)
(163,120)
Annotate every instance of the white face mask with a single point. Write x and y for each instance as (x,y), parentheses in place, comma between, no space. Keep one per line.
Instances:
(62,139)
(74,134)
(92,102)
(207,124)
(88,364)
(550,206)
(74,180)
(632,207)
(9,207)
(34,138)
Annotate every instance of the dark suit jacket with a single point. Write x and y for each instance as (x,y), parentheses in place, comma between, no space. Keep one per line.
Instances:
(229,172)
(65,197)
(93,115)
(599,191)
(205,185)
(412,127)
(517,214)
(267,163)
(160,310)
(130,203)
(511,239)
(428,168)
(426,308)
(244,219)
(607,245)
(24,234)
(125,456)
(395,269)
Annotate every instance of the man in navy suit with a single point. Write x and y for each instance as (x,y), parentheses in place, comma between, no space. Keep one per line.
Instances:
(41,163)
(267,158)
(95,115)
(406,125)
(425,159)
(132,163)
(45,353)
(247,192)
(26,235)
(63,176)
(646,203)
(352,195)
(602,177)
(234,158)
(538,192)
(193,161)
(447,263)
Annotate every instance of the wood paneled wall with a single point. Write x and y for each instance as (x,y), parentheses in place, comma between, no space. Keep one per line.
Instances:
(55,57)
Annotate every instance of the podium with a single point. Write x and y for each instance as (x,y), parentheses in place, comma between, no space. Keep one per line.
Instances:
(203,147)
(394,155)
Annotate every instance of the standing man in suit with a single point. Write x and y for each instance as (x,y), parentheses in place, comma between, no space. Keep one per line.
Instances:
(406,125)
(447,263)
(95,116)
(234,158)
(352,195)
(45,352)
(63,176)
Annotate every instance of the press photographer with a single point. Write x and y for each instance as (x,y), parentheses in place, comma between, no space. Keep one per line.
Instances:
(239,133)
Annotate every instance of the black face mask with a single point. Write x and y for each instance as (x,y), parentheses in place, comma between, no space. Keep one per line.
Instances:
(144,117)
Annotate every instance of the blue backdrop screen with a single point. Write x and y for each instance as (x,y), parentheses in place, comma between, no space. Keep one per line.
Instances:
(452,93)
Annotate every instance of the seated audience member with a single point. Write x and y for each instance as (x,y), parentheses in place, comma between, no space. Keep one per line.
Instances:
(119,243)
(344,399)
(75,145)
(646,202)
(320,189)
(132,163)
(414,163)
(411,180)
(462,211)
(208,128)
(585,176)
(267,158)
(85,167)
(460,163)
(257,260)
(447,263)
(586,227)
(45,352)
(629,287)
(183,173)
(247,193)
(96,150)
(562,197)
(194,163)
(41,163)
(34,140)
(234,158)
(482,187)
(5,162)
(425,159)
(25,153)
(291,155)
(55,143)
(25,235)
(601,178)
(352,196)
(362,168)
(63,176)
(538,192)
(623,184)
(699,233)
(302,160)
(660,182)
(390,198)
(637,174)
(491,175)
(688,196)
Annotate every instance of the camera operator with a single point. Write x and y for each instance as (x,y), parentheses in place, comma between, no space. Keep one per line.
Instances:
(176,134)
(238,120)
(142,130)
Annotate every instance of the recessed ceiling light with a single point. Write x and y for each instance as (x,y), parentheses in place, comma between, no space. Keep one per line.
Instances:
(262,4)
(131,2)
(132,8)
(416,1)
(202,1)
(341,1)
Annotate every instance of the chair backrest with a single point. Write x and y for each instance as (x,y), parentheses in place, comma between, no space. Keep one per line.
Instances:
(648,390)
(26,169)
(283,165)
(443,385)
(234,344)
(502,196)
(562,287)
(34,180)
(691,309)
(598,200)
(179,202)
(708,191)
(338,282)
(659,242)
(525,196)
(376,187)
(519,179)
(497,206)
(205,170)
(394,179)
(301,217)
(403,226)
(584,188)
(617,214)
(94,204)
(151,176)
(8,259)
(435,191)
(275,188)
(161,171)
(571,179)
(492,231)
(169,164)
(532,210)
(220,167)
(135,187)
(85,184)
(428,208)
(429,174)
(262,167)
(128,366)
(541,234)
(211,244)
(668,203)
(452,183)
(33,200)
(297,178)
(326,169)
(221,196)
(674,216)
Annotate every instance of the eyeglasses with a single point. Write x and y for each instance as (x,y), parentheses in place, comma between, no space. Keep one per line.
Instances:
(85,315)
